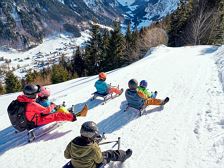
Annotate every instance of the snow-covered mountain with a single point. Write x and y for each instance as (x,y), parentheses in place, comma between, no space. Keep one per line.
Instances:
(24,24)
(187,133)
(143,12)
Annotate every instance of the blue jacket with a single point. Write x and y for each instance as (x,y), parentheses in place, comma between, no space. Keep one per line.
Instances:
(101,87)
(133,99)
(44,103)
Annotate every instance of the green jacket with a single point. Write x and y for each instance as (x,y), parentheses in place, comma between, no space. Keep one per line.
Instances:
(144,91)
(83,154)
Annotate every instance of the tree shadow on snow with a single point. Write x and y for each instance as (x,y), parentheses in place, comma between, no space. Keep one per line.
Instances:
(90,103)
(122,117)
(209,50)
(52,136)
(9,139)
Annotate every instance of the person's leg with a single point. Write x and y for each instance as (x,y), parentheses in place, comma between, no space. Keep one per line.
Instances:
(55,117)
(114,90)
(116,155)
(152,101)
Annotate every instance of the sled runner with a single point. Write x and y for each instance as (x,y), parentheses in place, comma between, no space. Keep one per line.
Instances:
(38,132)
(107,96)
(140,111)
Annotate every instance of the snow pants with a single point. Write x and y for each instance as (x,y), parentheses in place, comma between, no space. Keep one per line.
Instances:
(51,117)
(114,90)
(152,101)
(112,155)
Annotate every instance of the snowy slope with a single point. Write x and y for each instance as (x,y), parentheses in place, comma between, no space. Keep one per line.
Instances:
(187,133)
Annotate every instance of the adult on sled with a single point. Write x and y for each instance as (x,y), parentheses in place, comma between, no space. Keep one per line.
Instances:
(143,88)
(137,99)
(85,152)
(103,88)
(37,114)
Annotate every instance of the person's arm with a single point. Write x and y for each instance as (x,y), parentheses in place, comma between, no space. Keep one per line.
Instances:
(98,157)
(40,109)
(148,93)
(67,152)
(142,95)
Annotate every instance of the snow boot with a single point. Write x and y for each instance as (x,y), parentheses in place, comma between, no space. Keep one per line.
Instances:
(128,154)
(121,91)
(83,112)
(165,101)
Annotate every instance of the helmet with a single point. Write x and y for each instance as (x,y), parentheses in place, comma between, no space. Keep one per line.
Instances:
(31,90)
(102,75)
(90,130)
(44,93)
(133,84)
(144,84)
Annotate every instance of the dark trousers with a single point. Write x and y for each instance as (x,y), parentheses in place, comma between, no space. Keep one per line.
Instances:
(112,155)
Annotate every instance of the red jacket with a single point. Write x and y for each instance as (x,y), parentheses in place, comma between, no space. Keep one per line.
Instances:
(34,108)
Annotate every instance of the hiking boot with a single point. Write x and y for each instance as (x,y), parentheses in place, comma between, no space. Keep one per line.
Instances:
(165,101)
(83,112)
(128,154)
(74,117)
(121,91)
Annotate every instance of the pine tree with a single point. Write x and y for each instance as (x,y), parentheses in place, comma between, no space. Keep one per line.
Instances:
(104,48)
(78,64)
(178,22)
(12,84)
(59,74)
(128,36)
(131,49)
(220,26)
(93,52)
(30,76)
(116,50)
(2,89)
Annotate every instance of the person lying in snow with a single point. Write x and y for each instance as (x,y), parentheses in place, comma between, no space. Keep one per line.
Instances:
(143,88)
(85,152)
(38,114)
(103,88)
(137,99)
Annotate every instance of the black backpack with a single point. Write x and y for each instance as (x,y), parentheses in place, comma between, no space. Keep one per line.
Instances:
(16,111)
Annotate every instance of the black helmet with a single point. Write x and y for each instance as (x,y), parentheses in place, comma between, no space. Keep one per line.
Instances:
(133,84)
(90,130)
(31,90)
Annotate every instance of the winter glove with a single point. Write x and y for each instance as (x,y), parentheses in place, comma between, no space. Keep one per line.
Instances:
(98,138)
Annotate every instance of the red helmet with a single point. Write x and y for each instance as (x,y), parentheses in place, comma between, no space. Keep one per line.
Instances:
(44,92)
(102,75)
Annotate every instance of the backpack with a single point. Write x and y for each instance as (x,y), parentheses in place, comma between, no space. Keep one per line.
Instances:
(16,111)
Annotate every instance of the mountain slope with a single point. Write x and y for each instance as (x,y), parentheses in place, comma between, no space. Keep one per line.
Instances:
(186,133)
(24,23)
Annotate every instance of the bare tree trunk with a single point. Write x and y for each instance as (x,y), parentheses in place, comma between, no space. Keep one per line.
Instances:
(200,25)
